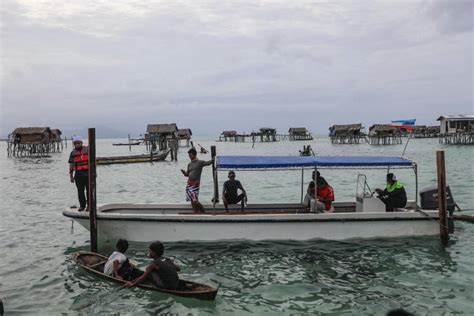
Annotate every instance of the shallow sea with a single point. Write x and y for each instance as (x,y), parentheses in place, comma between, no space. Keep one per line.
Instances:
(355,277)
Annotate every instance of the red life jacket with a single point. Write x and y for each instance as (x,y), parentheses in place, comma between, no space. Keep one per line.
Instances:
(81,159)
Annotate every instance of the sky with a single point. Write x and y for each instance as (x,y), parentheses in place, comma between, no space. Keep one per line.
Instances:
(233,65)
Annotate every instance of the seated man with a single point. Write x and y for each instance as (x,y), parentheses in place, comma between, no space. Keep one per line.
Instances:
(230,192)
(162,272)
(325,195)
(394,195)
(310,192)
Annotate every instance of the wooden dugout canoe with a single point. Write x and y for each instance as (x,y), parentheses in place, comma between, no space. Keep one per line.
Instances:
(132,158)
(94,264)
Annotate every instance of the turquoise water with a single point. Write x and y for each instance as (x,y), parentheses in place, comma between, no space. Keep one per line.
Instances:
(363,277)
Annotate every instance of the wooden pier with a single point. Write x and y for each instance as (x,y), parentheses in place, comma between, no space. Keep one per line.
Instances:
(265,134)
(423,131)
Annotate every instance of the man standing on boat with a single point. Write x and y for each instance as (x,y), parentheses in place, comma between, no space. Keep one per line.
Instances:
(230,192)
(394,196)
(194,178)
(79,170)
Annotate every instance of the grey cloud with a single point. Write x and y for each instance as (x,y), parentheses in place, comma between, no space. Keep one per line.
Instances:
(209,66)
(451,16)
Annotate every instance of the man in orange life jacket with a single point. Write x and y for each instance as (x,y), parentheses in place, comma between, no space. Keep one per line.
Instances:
(79,170)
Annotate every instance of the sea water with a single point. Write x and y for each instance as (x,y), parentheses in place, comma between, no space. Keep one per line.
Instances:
(354,277)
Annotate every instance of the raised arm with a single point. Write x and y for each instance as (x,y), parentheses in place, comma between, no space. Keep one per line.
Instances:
(208,163)
(149,269)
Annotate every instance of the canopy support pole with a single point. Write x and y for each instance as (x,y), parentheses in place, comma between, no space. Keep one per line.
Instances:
(214,177)
(415,169)
(315,208)
(302,180)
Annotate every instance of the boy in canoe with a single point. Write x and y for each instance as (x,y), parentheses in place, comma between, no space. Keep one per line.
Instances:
(162,272)
(117,265)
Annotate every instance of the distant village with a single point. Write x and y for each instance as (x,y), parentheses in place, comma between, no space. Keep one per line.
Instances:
(452,130)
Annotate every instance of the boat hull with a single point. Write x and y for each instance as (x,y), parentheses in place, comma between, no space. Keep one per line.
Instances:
(144,225)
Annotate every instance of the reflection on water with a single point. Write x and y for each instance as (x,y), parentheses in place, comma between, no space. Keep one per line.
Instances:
(37,274)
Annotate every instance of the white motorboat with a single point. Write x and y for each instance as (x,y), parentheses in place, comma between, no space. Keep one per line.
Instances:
(365,217)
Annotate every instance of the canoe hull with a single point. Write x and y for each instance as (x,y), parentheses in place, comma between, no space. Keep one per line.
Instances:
(132,158)
(87,260)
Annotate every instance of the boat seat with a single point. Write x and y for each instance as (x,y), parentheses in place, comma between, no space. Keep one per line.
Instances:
(399,209)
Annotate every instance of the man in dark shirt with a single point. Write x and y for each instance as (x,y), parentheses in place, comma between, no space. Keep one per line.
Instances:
(79,170)
(230,192)
(394,195)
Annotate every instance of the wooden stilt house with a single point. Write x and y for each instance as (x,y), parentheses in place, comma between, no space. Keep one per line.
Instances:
(347,134)
(161,136)
(299,133)
(184,135)
(457,129)
(268,134)
(31,141)
(383,134)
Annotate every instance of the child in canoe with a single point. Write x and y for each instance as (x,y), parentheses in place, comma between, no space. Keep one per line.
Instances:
(117,265)
(162,272)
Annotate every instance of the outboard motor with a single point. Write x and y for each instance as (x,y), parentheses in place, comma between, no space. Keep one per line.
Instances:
(429,201)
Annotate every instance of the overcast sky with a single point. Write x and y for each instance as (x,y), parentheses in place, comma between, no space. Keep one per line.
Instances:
(239,65)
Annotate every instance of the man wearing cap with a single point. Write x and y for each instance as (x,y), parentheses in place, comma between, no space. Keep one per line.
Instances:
(194,179)
(394,196)
(79,170)
(230,192)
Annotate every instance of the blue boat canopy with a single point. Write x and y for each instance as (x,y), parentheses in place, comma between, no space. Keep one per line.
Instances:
(298,162)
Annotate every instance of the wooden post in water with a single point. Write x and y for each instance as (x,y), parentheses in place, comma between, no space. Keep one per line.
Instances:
(92,191)
(129,143)
(214,174)
(442,204)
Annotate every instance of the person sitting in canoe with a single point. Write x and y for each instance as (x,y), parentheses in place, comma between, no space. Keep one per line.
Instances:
(117,265)
(162,272)
(325,195)
(394,195)
(230,192)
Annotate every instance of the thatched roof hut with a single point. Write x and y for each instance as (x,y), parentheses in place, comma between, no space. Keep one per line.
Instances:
(229,133)
(383,130)
(297,131)
(268,130)
(184,133)
(162,128)
(32,135)
(56,135)
(346,129)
